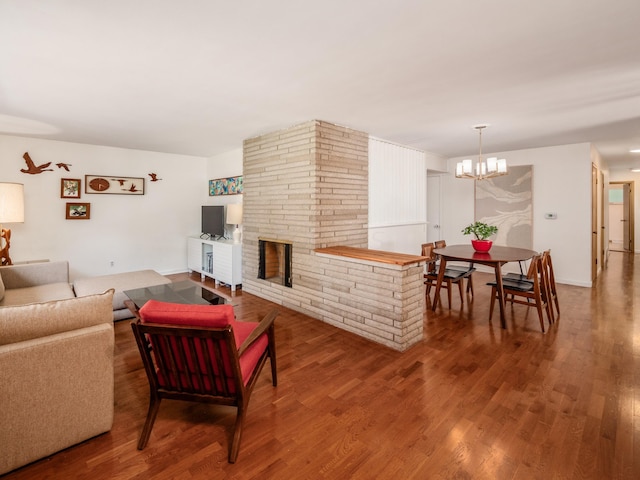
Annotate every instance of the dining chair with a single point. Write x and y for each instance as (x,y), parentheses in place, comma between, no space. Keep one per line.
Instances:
(450,276)
(200,353)
(549,277)
(467,268)
(551,280)
(530,291)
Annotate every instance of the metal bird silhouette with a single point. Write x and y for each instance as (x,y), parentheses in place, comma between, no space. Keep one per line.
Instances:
(154,177)
(32,168)
(63,165)
(133,188)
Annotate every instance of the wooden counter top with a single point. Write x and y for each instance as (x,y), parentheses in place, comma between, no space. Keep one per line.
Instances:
(380,256)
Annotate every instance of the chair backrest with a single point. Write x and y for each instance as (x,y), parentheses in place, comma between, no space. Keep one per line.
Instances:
(427,251)
(440,243)
(533,272)
(549,268)
(190,359)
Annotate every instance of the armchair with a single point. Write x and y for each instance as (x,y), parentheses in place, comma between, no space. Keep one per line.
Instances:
(201,353)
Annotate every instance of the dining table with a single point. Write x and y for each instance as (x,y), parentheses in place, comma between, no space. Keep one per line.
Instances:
(496,257)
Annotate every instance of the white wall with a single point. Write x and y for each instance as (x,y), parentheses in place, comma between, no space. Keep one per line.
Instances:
(228,164)
(135,232)
(561,185)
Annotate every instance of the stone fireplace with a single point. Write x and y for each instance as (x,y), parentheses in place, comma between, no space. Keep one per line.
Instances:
(307,186)
(275,261)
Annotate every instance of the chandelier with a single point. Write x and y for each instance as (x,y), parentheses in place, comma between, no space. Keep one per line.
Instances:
(492,167)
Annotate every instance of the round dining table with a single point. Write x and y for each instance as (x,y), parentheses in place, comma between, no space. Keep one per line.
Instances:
(496,257)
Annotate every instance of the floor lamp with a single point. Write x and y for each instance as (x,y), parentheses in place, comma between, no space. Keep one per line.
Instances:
(234,217)
(11,211)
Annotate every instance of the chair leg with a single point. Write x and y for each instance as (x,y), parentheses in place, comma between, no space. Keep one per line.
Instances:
(555,299)
(152,413)
(234,448)
(461,290)
(470,284)
(540,317)
(272,360)
(449,293)
(493,301)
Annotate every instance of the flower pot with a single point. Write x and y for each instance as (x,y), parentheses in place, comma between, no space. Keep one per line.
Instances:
(482,246)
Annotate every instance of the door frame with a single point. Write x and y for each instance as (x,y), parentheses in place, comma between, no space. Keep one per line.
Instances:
(630,184)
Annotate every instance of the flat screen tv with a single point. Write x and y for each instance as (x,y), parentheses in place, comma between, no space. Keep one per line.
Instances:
(213,220)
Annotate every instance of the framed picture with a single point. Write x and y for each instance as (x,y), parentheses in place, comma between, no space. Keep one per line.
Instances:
(78,211)
(225,186)
(70,188)
(113,184)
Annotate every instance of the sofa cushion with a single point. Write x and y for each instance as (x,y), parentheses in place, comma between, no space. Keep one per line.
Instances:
(1,288)
(36,294)
(32,274)
(25,322)
(119,282)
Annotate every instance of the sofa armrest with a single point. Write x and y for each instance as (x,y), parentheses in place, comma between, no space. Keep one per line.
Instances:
(32,274)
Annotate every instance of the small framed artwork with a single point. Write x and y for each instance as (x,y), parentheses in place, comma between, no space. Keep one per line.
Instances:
(70,188)
(225,186)
(113,184)
(78,211)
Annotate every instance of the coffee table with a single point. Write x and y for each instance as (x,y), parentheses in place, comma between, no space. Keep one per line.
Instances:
(185,292)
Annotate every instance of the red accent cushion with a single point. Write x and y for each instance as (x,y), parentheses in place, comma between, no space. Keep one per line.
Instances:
(206,316)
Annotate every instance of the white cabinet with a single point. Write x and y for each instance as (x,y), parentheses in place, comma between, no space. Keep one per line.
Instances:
(217,259)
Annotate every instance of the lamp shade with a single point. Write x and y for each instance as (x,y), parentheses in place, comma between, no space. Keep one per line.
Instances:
(234,214)
(11,202)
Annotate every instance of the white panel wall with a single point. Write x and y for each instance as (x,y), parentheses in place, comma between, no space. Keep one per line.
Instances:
(397,197)
(561,185)
(135,232)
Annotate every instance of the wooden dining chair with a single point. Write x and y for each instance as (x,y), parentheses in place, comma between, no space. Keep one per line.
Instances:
(450,278)
(530,291)
(550,281)
(467,268)
(200,353)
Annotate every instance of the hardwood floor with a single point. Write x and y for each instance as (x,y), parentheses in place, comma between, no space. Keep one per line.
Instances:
(472,401)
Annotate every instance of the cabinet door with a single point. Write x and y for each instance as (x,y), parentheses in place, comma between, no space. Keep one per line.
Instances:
(222,263)
(194,254)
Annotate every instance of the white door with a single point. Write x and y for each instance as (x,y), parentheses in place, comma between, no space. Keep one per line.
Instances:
(433,208)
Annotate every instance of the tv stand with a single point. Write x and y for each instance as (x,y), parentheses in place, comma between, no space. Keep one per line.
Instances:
(220,260)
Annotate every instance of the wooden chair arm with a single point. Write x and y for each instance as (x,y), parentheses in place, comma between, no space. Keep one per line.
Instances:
(132,308)
(265,324)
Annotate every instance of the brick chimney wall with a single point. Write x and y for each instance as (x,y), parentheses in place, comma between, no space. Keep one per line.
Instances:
(307,185)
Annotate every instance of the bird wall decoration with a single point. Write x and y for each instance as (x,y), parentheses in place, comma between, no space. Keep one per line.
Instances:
(63,165)
(154,177)
(32,168)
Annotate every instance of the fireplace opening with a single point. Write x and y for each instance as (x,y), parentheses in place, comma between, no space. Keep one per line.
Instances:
(275,261)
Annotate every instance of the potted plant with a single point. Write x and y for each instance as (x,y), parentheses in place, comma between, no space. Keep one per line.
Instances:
(481,231)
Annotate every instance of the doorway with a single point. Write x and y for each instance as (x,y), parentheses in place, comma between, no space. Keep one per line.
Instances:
(621,218)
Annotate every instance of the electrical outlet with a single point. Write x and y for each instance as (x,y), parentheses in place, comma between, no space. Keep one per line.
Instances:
(112,263)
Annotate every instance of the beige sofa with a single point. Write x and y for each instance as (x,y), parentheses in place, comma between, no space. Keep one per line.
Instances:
(56,359)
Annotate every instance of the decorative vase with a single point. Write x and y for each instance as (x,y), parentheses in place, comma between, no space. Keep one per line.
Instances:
(481,246)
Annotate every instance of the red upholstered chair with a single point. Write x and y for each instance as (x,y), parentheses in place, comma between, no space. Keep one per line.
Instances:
(201,353)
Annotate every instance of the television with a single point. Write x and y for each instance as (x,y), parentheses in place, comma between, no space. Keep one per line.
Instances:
(213,220)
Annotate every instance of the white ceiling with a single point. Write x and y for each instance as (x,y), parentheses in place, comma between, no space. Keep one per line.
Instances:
(199,76)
